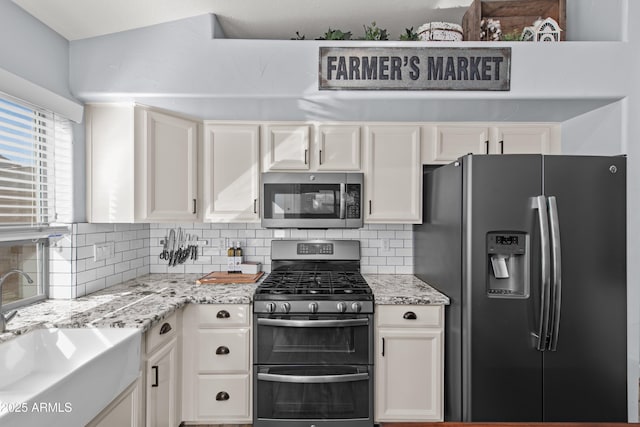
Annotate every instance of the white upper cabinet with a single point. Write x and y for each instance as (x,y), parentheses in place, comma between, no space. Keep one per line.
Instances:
(167,167)
(286,147)
(445,143)
(338,148)
(451,142)
(393,174)
(141,165)
(231,173)
(527,139)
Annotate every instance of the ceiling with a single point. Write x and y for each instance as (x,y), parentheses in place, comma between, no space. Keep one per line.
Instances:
(244,19)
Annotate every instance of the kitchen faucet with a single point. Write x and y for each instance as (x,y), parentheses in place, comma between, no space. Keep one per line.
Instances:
(4,319)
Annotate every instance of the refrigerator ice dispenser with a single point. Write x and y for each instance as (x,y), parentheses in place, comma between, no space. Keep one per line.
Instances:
(508,264)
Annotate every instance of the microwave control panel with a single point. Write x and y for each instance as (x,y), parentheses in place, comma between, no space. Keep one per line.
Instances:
(353,201)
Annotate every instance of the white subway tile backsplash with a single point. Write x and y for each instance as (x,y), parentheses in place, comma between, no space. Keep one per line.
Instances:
(74,272)
(395,227)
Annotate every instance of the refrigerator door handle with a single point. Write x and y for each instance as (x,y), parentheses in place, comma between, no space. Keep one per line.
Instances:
(540,203)
(556,273)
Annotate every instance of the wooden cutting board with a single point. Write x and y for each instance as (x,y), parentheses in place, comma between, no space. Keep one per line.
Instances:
(222,277)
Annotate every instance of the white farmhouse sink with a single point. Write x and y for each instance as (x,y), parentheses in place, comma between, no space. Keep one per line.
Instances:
(56,377)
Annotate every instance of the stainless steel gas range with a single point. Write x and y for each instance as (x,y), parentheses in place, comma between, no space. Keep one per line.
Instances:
(313,338)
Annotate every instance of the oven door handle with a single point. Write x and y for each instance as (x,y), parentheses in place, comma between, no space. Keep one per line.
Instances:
(304,379)
(313,323)
(343,199)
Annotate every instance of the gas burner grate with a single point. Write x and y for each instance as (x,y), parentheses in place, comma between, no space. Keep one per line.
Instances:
(314,283)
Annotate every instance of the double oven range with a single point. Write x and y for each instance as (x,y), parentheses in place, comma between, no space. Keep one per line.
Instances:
(313,338)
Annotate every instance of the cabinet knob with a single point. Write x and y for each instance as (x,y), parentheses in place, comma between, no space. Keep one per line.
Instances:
(223,314)
(223,395)
(222,350)
(410,315)
(165,328)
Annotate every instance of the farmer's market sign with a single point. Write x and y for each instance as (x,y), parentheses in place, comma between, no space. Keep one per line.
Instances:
(420,68)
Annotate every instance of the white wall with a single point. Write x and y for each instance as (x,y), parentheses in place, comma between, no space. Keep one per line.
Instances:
(631,141)
(40,56)
(598,132)
(33,51)
(180,67)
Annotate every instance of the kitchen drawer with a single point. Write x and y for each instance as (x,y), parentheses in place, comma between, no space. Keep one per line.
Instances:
(162,333)
(223,350)
(401,315)
(222,315)
(223,397)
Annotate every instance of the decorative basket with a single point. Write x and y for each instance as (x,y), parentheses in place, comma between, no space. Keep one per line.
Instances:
(440,31)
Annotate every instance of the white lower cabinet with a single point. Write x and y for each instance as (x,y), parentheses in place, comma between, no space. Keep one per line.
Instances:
(217,364)
(409,368)
(162,377)
(124,411)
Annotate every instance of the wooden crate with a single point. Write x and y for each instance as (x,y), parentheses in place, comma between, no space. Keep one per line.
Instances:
(513,15)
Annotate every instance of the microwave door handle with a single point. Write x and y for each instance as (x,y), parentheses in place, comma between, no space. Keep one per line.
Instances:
(304,379)
(343,201)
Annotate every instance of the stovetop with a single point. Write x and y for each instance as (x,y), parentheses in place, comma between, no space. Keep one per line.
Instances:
(314,277)
(326,285)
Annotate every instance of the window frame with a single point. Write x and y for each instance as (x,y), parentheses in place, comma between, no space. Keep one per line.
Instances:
(42,276)
(58,135)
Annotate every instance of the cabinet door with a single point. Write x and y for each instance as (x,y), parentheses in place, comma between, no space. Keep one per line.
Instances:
(110,163)
(286,147)
(393,178)
(162,387)
(525,140)
(231,173)
(338,148)
(409,375)
(452,142)
(124,411)
(168,170)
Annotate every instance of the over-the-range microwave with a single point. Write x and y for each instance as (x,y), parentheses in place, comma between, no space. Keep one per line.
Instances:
(312,200)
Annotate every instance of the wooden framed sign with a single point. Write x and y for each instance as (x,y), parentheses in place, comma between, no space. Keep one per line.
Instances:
(419,68)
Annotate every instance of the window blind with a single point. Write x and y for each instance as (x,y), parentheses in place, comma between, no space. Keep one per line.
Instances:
(35,166)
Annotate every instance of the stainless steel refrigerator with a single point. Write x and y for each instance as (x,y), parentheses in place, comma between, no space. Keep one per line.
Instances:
(531,250)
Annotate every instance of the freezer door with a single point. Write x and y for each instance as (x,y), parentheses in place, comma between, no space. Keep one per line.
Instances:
(502,370)
(585,378)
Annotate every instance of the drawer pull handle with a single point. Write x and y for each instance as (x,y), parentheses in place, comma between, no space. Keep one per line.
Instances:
(410,315)
(155,382)
(222,350)
(223,314)
(165,328)
(223,395)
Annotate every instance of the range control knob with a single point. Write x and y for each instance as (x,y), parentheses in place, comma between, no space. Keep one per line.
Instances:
(271,307)
(356,307)
(342,307)
(313,307)
(285,307)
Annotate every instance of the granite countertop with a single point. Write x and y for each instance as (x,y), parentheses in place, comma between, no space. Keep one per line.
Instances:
(147,300)
(403,289)
(137,303)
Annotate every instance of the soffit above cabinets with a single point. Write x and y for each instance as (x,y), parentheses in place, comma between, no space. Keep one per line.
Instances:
(244,19)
